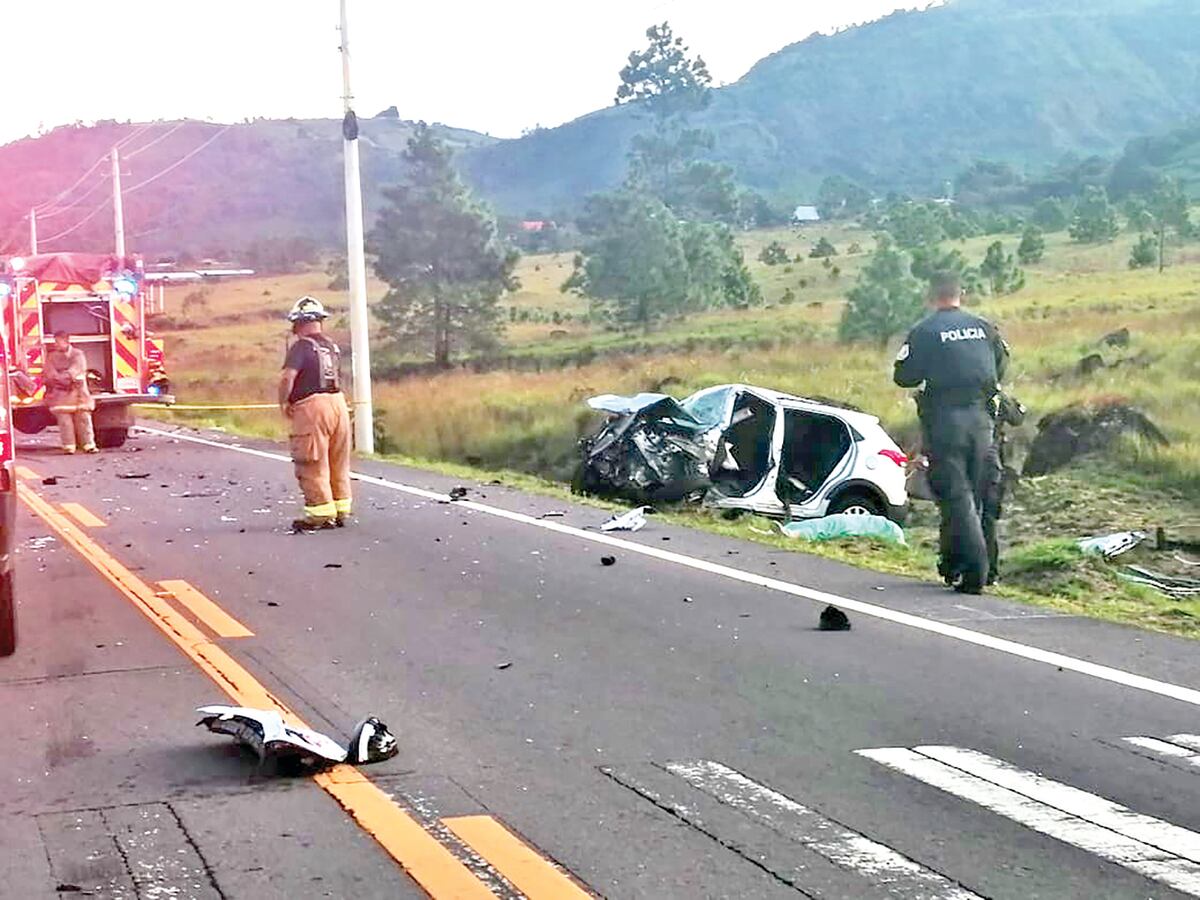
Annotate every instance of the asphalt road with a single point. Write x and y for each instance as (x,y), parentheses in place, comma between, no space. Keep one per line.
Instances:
(669,726)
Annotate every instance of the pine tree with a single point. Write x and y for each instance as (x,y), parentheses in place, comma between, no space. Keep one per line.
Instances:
(438,252)
(1095,220)
(885,300)
(1032,248)
(1001,271)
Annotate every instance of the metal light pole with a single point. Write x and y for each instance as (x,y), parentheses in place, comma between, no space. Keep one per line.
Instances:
(118,206)
(32,231)
(364,414)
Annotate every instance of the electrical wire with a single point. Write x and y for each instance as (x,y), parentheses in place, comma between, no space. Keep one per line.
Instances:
(78,202)
(62,234)
(141,129)
(175,165)
(161,137)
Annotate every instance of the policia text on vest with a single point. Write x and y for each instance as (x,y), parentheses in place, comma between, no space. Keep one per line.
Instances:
(960,359)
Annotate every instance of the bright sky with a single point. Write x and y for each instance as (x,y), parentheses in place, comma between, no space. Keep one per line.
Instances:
(498,67)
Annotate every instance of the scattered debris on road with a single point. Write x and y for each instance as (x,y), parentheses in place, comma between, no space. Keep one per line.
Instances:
(504,665)
(840,526)
(457,493)
(608,560)
(294,749)
(50,481)
(333,565)
(833,619)
(132,476)
(634,520)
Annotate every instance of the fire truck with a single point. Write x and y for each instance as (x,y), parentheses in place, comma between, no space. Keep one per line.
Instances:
(99,301)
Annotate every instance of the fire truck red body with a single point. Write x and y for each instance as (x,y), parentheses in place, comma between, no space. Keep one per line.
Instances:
(98,300)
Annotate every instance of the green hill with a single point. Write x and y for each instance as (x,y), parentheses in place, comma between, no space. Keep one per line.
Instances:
(906,102)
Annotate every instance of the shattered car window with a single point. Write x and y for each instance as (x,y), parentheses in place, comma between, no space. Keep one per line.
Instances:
(708,406)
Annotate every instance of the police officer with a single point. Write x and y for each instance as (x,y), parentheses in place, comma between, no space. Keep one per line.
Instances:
(960,358)
(310,396)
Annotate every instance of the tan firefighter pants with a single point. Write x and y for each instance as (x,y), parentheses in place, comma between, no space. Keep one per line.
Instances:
(75,429)
(320,442)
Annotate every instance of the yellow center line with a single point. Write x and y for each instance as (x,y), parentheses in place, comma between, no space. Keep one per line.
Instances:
(222,623)
(429,863)
(83,516)
(526,869)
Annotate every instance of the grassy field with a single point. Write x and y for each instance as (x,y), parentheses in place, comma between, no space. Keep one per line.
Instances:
(526,417)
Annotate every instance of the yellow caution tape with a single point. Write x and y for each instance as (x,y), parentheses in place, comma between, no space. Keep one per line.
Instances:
(198,407)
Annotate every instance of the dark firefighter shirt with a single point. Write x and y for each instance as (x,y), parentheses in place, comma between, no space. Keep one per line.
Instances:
(958,356)
(317,362)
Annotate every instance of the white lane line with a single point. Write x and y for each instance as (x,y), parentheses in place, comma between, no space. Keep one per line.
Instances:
(896,874)
(932,626)
(1094,808)
(1102,840)
(1185,740)
(1169,748)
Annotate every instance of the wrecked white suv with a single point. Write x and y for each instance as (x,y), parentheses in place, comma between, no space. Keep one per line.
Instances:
(746,448)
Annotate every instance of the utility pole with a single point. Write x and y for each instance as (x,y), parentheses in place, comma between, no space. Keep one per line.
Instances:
(32,231)
(118,206)
(364,413)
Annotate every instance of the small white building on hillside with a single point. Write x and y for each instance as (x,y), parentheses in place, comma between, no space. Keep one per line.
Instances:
(805,215)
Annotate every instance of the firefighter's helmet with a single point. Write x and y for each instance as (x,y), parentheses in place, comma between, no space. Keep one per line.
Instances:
(307,309)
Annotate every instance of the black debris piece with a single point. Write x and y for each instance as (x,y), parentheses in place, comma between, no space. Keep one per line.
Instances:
(552,515)
(272,603)
(504,665)
(458,492)
(68,889)
(666,538)
(51,481)
(333,565)
(833,619)
(608,560)
(688,600)
(130,476)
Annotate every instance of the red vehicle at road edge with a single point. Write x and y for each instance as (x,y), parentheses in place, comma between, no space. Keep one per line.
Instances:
(8,499)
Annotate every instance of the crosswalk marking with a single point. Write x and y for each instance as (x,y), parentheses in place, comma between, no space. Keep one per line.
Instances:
(1178,746)
(896,874)
(1148,846)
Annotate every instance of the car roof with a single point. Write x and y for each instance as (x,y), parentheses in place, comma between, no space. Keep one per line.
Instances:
(852,416)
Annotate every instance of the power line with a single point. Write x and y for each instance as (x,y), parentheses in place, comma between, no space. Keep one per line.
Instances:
(141,129)
(161,137)
(62,234)
(175,165)
(78,201)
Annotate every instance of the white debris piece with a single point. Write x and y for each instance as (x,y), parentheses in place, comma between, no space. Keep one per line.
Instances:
(1112,545)
(265,732)
(634,520)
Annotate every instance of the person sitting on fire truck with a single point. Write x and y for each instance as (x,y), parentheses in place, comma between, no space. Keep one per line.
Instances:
(68,396)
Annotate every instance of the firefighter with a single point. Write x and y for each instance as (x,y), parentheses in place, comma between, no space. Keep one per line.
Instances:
(68,396)
(310,395)
(959,358)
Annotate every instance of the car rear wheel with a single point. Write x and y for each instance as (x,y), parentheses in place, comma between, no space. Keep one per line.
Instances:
(857,503)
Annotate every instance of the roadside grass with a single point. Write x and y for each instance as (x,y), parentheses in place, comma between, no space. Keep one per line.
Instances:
(525,424)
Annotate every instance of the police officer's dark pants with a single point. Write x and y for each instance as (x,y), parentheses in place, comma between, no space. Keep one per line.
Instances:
(992,507)
(958,439)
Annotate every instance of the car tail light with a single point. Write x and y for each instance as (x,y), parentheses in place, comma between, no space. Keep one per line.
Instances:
(895,456)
